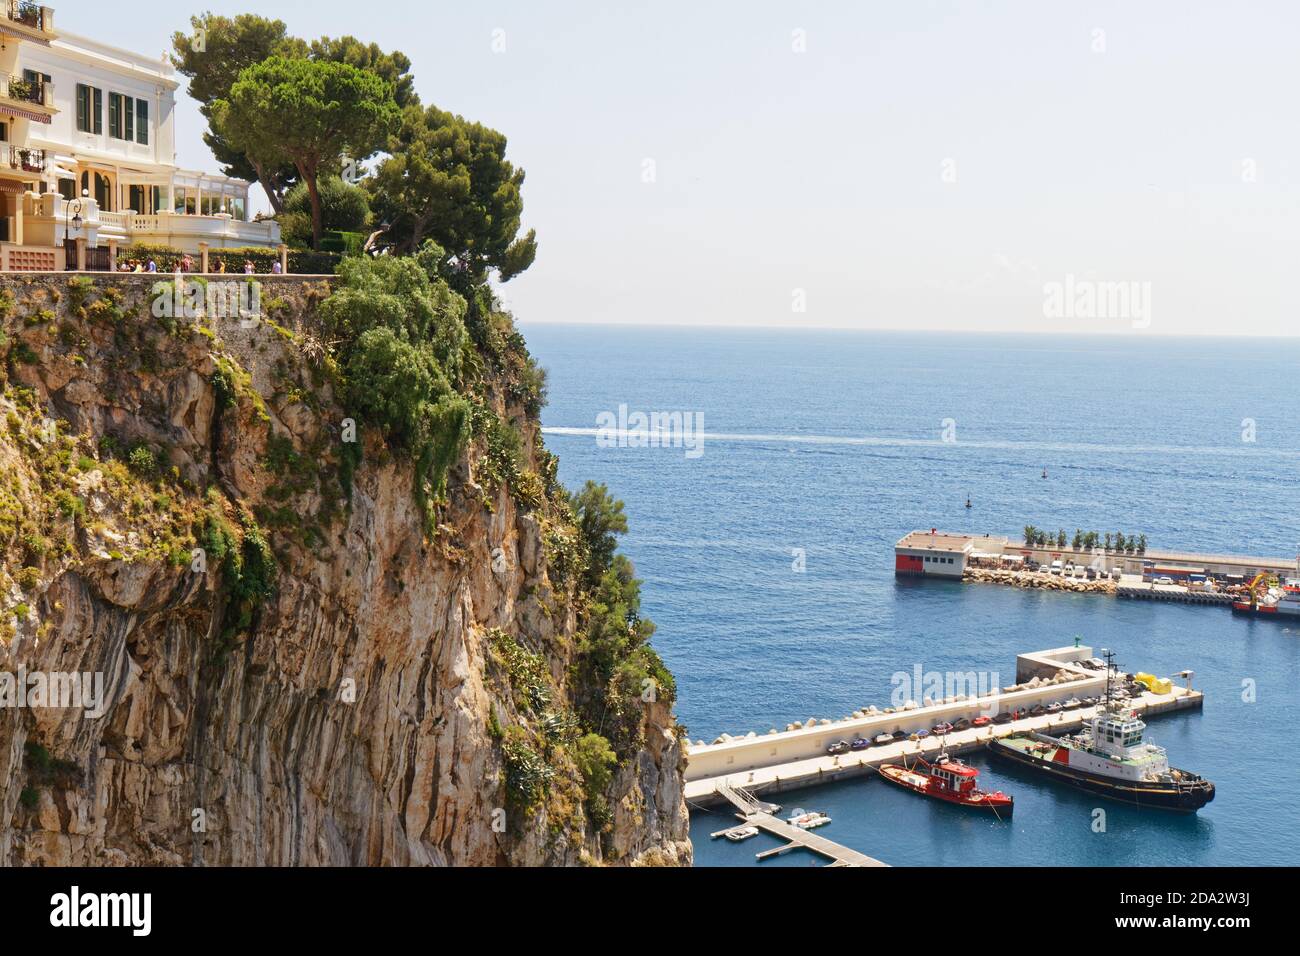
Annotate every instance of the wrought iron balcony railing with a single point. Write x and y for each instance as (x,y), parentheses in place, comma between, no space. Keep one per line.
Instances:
(28,13)
(21,88)
(28,160)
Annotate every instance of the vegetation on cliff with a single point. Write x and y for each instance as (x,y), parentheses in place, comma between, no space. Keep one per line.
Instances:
(167,445)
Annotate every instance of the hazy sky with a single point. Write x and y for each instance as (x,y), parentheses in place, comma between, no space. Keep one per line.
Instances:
(917,165)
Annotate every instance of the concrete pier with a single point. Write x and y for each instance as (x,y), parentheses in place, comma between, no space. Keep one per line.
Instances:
(1137,589)
(775,762)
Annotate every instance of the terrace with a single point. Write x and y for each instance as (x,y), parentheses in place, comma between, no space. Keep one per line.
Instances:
(50,218)
(22,19)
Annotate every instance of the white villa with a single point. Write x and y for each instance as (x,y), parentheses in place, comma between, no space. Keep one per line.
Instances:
(87,155)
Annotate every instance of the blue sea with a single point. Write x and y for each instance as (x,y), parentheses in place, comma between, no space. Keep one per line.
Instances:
(832,444)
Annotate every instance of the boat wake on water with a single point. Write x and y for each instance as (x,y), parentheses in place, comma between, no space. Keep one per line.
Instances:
(651,437)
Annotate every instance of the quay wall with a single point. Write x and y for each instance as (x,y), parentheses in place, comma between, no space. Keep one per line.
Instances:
(1219,564)
(762,750)
(790,775)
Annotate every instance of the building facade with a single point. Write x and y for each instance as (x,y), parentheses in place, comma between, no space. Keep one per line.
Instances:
(934,553)
(87,154)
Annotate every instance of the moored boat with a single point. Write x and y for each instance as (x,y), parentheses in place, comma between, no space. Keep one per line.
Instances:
(1110,758)
(950,781)
(1275,602)
(808,820)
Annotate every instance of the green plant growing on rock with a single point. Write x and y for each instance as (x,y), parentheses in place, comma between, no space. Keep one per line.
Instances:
(528,775)
(247,564)
(142,461)
(402,335)
(596,761)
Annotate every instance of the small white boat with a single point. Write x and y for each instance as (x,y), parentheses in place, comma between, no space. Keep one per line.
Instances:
(736,834)
(808,820)
(882,739)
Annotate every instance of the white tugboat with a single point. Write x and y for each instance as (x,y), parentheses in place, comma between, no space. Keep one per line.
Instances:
(1110,758)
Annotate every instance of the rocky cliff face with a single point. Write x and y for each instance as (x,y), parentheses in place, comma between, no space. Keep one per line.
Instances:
(295,671)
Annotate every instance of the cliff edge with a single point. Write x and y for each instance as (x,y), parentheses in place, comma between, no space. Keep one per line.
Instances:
(323,633)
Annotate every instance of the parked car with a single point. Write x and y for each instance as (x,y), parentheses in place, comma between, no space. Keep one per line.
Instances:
(1091,574)
(1116,573)
(837,748)
(1164,579)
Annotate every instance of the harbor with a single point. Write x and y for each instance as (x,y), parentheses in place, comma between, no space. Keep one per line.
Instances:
(756,814)
(1256,585)
(798,757)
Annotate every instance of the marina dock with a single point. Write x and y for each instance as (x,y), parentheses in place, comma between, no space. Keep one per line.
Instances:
(771,763)
(1135,588)
(756,813)
(1208,580)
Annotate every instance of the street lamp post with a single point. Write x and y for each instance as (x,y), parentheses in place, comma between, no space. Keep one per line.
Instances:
(68,222)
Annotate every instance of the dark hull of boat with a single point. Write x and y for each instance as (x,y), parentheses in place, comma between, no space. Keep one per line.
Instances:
(1267,611)
(1161,796)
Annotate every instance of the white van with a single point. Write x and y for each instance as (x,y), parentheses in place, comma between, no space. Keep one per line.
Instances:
(1056,567)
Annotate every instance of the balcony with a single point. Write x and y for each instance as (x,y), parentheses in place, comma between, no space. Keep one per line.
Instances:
(26,160)
(25,18)
(185,231)
(35,91)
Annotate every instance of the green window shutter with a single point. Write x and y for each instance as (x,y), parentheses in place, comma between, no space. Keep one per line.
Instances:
(115,115)
(142,122)
(83,107)
(98,110)
(128,118)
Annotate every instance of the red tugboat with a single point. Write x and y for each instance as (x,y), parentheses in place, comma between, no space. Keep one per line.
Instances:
(948,780)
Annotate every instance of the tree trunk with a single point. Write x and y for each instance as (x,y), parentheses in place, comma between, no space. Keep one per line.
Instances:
(418,225)
(308,175)
(274,193)
(271,186)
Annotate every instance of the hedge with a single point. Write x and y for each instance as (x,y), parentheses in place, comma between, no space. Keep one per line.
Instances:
(301,261)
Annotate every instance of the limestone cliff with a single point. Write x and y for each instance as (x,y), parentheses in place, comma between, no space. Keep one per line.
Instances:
(297,667)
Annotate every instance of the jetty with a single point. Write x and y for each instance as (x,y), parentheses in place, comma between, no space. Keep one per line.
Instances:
(777,761)
(757,813)
(1208,580)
